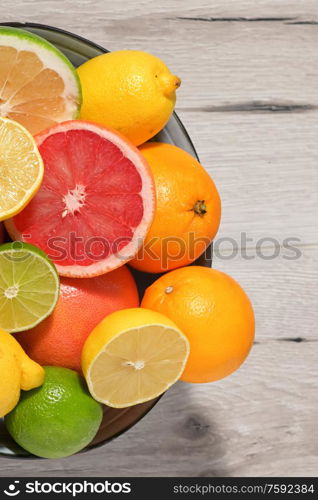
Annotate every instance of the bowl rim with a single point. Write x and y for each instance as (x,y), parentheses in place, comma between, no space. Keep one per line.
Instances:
(53,29)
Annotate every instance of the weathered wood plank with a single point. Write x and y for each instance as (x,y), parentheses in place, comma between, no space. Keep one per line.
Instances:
(284,292)
(260,421)
(259,54)
(265,167)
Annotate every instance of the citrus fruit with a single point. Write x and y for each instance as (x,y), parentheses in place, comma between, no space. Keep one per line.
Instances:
(58,419)
(29,286)
(95,204)
(81,306)
(214,313)
(132,356)
(188,210)
(21,168)
(38,85)
(17,371)
(129,90)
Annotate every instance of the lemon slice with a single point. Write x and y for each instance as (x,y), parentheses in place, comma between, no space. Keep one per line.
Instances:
(29,286)
(133,356)
(21,168)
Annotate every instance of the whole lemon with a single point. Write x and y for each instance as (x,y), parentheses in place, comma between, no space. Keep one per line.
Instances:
(129,90)
(17,371)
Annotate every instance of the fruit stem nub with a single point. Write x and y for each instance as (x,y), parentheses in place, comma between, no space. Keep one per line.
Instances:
(200,208)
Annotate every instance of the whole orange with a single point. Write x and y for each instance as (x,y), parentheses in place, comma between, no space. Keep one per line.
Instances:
(188,210)
(82,304)
(213,311)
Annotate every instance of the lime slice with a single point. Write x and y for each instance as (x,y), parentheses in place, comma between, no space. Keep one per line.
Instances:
(29,286)
(39,87)
(21,168)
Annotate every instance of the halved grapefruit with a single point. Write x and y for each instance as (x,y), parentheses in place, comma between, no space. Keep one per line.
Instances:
(95,204)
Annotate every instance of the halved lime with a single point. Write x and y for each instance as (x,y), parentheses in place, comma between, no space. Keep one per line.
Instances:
(29,286)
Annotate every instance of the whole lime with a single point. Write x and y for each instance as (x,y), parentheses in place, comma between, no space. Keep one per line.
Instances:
(57,419)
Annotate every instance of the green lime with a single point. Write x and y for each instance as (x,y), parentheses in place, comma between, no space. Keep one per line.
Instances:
(29,286)
(58,419)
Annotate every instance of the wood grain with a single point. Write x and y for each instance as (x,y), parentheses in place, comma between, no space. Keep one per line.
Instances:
(260,421)
(249,99)
(265,166)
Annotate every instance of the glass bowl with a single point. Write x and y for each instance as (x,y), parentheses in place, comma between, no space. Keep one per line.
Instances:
(115,421)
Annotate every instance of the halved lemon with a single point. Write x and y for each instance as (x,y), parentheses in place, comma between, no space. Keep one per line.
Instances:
(21,168)
(133,356)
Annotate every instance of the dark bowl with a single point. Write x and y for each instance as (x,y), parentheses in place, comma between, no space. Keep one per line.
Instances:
(115,421)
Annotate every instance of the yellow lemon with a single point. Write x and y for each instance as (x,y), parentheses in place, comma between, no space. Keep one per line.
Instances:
(129,90)
(132,356)
(17,371)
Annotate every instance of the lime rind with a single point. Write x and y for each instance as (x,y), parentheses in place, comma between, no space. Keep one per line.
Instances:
(24,311)
(51,57)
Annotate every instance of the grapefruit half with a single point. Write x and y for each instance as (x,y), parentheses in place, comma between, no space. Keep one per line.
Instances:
(96,202)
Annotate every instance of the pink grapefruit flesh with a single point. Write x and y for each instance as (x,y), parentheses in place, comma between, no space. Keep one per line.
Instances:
(96,202)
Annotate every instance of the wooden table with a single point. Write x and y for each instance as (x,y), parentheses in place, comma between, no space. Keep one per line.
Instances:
(249,99)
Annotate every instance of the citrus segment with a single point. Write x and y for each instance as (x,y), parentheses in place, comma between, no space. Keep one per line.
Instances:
(21,168)
(38,85)
(133,356)
(29,286)
(95,204)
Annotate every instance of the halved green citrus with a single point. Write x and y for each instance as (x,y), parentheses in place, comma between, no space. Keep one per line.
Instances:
(29,286)
(39,87)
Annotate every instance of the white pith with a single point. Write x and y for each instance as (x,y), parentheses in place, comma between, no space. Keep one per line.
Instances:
(138,365)
(74,200)
(11,292)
